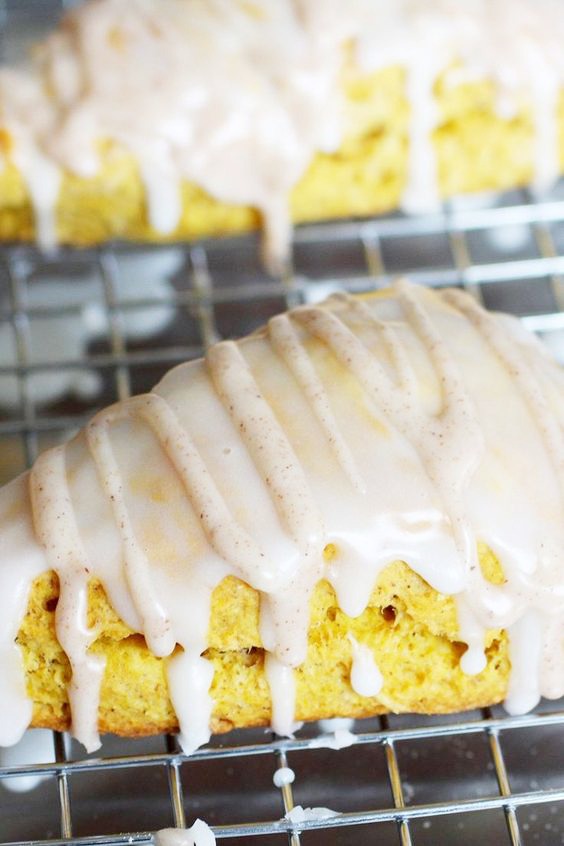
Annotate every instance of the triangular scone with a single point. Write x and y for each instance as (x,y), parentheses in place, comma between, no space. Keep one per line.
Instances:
(238,535)
(157,119)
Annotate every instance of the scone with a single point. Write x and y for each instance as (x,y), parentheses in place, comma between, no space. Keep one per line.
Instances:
(358,509)
(157,119)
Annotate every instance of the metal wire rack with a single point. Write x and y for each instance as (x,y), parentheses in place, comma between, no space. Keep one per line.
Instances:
(135,312)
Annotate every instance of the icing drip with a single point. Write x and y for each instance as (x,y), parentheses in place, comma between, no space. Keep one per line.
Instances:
(17,540)
(199,834)
(189,680)
(155,622)
(283,777)
(339,739)
(472,633)
(366,678)
(545,115)
(267,442)
(282,684)
(453,433)
(239,97)
(421,193)
(164,203)
(43,181)
(260,461)
(298,814)
(525,650)
(52,508)
(284,622)
(25,113)
(189,675)
(494,610)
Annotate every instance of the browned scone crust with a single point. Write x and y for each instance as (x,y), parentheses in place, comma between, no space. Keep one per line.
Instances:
(411,629)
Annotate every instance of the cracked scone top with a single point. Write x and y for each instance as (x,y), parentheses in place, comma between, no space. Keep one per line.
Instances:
(405,426)
(238,97)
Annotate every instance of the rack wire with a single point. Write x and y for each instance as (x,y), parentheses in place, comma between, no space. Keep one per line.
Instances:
(406,780)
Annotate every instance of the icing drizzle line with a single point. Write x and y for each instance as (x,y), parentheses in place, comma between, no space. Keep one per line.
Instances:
(450,406)
(57,532)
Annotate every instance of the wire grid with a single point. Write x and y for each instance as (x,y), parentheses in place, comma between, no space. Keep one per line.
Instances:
(509,254)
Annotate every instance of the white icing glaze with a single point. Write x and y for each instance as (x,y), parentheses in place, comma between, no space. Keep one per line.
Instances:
(199,834)
(282,684)
(336,724)
(58,534)
(421,192)
(341,738)
(525,650)
(43,181)
(300,814)
(285,341)
(283,776)
(18,544)
(253,462)
(366,678)
(189,680)
(238,97)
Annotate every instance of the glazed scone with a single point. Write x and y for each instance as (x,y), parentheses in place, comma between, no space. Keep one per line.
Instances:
(356,510)
(167,119)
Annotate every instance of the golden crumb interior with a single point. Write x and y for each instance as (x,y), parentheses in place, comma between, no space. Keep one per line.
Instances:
(411,629)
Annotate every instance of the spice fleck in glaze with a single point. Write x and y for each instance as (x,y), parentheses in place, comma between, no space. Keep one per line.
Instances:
(409,426)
